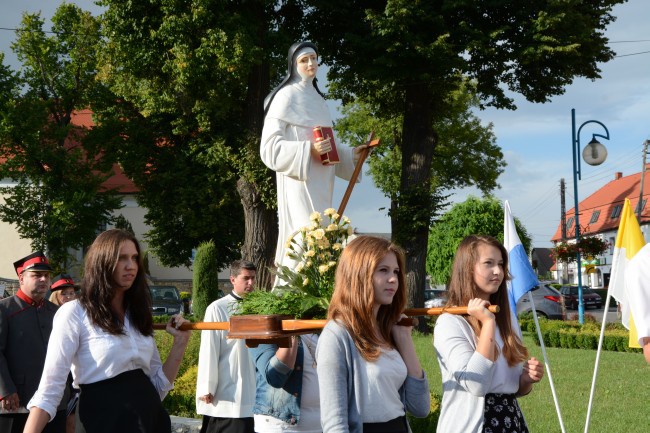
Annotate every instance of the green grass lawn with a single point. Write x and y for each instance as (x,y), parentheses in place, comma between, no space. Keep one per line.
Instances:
(621,401)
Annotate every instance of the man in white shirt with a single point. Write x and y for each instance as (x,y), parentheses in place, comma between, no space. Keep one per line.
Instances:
(225,383)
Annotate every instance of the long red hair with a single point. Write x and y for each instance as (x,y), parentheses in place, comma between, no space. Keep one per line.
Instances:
(353,298)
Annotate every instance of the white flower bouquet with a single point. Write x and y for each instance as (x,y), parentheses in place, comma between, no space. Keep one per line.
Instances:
(305,291)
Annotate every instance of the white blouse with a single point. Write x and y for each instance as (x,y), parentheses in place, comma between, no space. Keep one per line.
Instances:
(381,401)
(94,355)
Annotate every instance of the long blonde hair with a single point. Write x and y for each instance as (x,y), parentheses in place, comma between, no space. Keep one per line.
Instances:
(463,288)
(353,299)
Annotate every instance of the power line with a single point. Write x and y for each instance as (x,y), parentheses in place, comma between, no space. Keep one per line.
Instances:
(633,54)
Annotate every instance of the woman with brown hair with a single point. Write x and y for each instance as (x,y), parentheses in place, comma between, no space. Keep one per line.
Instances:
(368,372)
(483,363)
(107,337)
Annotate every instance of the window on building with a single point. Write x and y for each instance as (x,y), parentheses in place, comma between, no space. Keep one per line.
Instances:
(616,212)
(569,223)
(612,241)
(640,206)
(594,216)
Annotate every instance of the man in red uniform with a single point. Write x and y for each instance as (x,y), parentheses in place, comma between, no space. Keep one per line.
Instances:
(25,326)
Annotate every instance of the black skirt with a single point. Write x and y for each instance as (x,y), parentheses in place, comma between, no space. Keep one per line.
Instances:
(126,403)
(397,425)
(501,414)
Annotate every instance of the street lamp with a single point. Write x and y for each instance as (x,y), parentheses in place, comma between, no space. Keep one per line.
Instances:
(594,154)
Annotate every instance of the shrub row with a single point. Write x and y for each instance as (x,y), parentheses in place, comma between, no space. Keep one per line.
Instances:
(572,335)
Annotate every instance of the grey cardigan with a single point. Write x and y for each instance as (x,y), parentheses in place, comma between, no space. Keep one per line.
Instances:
(337,359)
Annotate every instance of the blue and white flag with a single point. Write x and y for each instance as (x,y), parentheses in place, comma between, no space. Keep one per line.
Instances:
(523,276)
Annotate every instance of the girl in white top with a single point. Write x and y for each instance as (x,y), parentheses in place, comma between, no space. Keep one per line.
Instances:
(483,362)
(107,337)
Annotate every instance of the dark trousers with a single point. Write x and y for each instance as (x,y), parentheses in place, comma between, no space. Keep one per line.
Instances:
(227,425)
(15,423)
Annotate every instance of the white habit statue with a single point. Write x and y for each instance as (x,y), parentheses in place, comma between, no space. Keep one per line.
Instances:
(291,112)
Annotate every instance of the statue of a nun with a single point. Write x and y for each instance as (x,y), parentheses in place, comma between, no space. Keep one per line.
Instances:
(288,147)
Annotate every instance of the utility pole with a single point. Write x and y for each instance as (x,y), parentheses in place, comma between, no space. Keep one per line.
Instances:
(639,207)
(563,209)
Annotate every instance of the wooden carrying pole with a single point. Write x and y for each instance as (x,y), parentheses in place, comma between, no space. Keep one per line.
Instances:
(357,169)
(304,325)
(439,310)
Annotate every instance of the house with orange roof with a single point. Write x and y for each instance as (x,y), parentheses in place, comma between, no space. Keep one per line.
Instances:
(600,216)
(131,210)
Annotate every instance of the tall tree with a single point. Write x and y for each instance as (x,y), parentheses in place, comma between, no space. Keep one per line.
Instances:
(57,201)
(474,216)
(466,155)
(406,57)
(197,73)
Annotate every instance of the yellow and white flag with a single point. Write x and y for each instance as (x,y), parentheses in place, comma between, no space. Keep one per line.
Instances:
(629,251)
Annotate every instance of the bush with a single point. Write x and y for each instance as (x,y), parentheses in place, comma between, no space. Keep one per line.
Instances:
(181,401)
(572,335)
(430,422)
(191,357)
(205,280)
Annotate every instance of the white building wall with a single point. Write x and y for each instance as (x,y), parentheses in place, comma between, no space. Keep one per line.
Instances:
(135,215)
(12,246)
(599,279)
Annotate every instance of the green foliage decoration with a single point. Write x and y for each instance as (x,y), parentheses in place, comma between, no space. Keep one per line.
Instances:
(305,290)
(205,278)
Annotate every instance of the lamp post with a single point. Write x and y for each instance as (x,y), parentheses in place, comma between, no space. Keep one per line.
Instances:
(594,154)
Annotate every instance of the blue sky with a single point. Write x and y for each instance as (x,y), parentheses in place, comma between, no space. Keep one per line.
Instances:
(536,138)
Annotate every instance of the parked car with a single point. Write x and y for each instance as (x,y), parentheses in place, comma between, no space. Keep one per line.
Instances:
(435,298)
(589,297)
(548,302)
(165,300)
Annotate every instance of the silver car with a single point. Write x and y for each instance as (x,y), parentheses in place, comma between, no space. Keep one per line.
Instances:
(435,298)
(548,301)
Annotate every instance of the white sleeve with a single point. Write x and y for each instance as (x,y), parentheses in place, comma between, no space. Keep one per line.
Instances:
(61,348)
(208,370)
(456,350)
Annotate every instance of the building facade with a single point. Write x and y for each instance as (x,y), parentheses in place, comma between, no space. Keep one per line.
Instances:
(600,217)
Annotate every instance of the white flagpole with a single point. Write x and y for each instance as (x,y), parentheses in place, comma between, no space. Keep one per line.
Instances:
(546,364)
(600,346)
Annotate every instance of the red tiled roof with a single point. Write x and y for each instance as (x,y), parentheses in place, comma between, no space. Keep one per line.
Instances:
(119,181)
(605,200)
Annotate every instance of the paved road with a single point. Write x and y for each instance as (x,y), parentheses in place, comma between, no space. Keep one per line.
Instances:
(597,313)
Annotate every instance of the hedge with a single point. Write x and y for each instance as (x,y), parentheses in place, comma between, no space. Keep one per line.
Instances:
(572,335)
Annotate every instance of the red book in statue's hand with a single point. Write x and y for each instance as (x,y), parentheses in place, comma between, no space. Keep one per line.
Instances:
(321,133)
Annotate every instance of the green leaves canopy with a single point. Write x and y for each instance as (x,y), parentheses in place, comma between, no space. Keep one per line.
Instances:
(58,200)
(474,216)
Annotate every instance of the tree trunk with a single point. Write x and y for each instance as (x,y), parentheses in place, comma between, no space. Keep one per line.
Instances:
(261,233)
(411,230)
(260,222)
